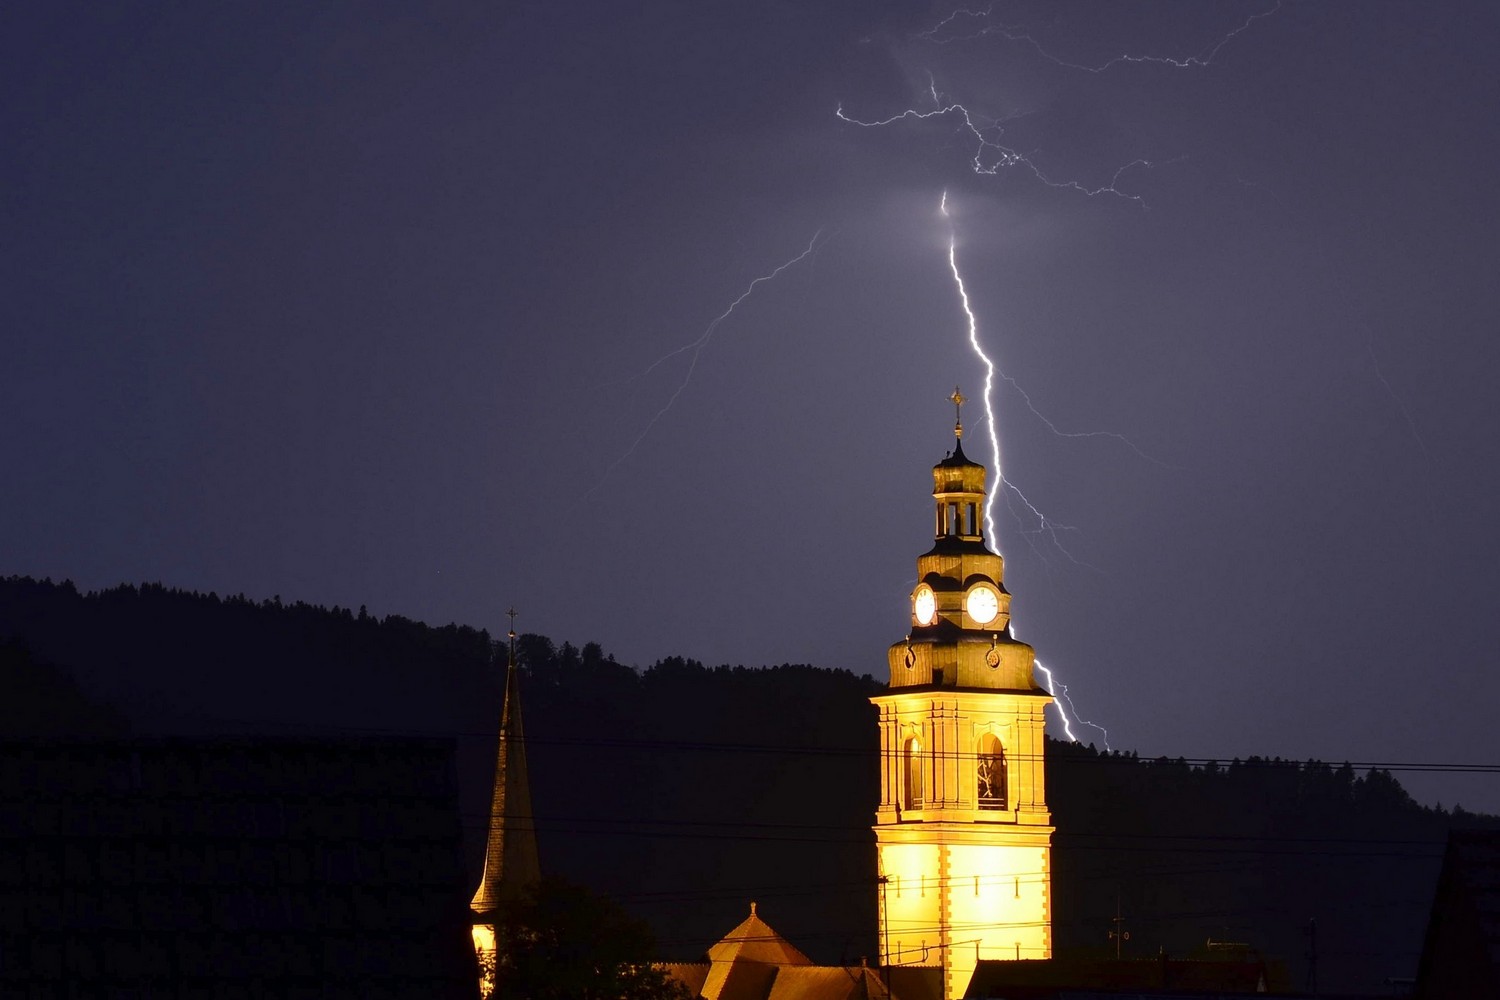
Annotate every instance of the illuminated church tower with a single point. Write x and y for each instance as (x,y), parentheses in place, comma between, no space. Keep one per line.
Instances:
(510,857)
(963,833)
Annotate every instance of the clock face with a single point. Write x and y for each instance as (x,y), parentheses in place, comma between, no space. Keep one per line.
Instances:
(924,605)
(983,605)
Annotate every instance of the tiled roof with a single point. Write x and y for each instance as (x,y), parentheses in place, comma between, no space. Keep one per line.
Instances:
(757,981)
(753,962)
(754,941)
(827,982)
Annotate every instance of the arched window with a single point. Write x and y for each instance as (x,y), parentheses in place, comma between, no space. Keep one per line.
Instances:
(991,772)
(913,767)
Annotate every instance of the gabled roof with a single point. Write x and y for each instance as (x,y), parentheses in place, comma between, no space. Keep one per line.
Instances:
(753,962)
(827,982)
(739,981)
(754,941)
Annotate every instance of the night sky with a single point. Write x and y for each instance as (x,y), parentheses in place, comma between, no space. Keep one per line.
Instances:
(356,306)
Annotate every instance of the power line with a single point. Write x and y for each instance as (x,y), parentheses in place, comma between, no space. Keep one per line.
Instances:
(709,829)
(1223,763)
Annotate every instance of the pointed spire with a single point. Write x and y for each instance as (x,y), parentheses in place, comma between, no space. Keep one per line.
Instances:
(510,855)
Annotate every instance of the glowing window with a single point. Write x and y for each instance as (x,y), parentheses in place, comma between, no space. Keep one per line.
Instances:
(913,762)
(991,772)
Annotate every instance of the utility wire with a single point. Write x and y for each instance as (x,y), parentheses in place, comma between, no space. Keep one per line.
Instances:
(1223,763)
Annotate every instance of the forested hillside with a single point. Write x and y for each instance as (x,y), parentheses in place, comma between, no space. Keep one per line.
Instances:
(688,791)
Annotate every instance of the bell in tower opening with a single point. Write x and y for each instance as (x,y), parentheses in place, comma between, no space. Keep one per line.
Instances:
(962,833)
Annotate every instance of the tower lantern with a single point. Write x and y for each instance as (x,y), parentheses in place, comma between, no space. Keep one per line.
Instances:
(962,831)
(958,487)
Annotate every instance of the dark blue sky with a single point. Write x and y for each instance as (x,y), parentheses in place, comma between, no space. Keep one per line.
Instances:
(360,306)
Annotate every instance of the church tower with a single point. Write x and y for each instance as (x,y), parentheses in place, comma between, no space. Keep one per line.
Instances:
(510,857)
(963,834)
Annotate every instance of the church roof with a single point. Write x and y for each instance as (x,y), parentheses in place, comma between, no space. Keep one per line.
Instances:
(754,981)
(739,981)
(754,941)
(753,962)
(828,982)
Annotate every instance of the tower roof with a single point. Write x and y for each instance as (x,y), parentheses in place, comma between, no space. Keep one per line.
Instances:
(958,458)
(958,473)
(510,855)
(754,941)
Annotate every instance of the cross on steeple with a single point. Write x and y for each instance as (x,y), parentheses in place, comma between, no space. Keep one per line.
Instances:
(958,401)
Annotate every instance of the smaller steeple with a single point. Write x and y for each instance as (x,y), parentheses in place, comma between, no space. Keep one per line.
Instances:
(510,855)
(958,486)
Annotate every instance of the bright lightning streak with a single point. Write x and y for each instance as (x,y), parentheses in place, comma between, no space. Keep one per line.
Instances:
(989,366)
(1058,689)
(1060,692)
(1014,33)
(1044,524)
(695,348)
(991,155)
(1001,156)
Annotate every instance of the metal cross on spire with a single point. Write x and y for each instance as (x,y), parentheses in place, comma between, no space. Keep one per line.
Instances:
(958,401)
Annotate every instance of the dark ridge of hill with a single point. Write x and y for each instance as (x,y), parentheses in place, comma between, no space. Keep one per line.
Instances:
(39,699)
(688,791)
(1290,857)
(183,662)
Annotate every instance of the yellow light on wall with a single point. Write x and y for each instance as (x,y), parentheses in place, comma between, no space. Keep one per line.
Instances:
(962,833)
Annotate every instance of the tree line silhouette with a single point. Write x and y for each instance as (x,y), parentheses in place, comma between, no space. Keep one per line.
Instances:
(685,791)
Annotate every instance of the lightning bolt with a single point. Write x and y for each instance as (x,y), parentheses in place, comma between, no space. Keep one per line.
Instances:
(989,366)
(1055,687)
(1015,33)
(992,156)
(694,348)
(1060,692)
(1045,525)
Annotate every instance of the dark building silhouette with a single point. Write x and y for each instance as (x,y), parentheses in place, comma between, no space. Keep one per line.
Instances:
(1461,954)
(232,868)
(1231,976)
